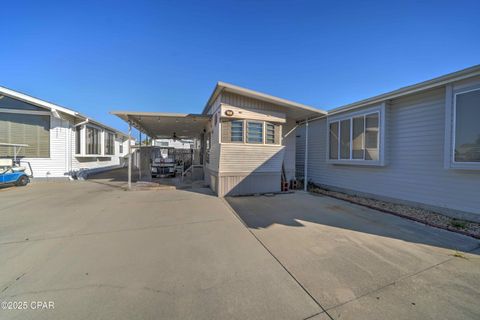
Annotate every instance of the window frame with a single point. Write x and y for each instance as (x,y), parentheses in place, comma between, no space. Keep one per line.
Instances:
(380,111)
(451,125)
(245,132)
(100,141)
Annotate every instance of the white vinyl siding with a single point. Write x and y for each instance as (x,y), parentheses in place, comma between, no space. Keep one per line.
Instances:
(414,145)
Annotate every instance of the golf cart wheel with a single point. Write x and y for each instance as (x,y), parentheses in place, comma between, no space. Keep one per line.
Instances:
(22,181)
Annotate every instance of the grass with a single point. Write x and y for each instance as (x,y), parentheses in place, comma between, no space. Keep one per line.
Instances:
(459,224)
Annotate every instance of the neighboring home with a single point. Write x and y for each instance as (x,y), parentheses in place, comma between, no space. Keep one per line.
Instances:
(247,138)
(416,145)
(61,142)
(174,143)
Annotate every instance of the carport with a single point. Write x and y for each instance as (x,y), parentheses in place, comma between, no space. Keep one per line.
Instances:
(158,125)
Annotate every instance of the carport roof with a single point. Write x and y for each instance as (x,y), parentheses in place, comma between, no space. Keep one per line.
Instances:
(165,125)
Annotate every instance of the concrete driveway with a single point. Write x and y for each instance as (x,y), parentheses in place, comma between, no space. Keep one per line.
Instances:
(99,252)
(358,263)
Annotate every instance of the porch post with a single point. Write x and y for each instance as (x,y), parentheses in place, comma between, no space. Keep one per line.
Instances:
(129,155)
(140,157)
(305,165)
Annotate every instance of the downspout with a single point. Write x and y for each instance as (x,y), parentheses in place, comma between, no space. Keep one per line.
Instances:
(305,166)
(129,155)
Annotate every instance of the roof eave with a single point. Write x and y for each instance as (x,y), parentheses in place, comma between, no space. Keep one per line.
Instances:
(425,85)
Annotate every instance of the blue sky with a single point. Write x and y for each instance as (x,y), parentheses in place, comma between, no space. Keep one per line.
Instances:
(99,56)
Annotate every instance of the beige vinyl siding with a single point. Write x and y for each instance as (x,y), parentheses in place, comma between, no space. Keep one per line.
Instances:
(250,158)
(414,146)
(247,103)
(250,113)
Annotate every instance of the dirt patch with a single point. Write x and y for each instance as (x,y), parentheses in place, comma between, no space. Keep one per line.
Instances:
(427,217)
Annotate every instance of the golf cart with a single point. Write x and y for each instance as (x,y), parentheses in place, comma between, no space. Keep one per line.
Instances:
(163,162)
(10,174)
(11,171)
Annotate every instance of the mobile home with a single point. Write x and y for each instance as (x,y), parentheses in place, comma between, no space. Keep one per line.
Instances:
(61,142)
(419,145)
(247,137)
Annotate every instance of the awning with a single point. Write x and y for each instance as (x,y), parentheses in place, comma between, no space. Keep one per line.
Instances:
(160,125)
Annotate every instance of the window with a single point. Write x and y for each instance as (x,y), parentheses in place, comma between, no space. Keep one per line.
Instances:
(333,150)
(93,141)
(358,138)
(109,143)
(271,133)
(254,132)
(236,131)
(371,137)
(10,103)
(355,138)
(345,139)
(30,129)
(120,148)
(257,132)
(78,139)
(467,127)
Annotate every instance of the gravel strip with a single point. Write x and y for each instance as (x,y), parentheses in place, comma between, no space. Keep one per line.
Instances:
(427,217)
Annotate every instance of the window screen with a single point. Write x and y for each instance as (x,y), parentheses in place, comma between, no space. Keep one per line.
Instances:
(333,140)
(78,139)
(254,132)
(467,127)
(109,143)
(236,131)
(33,130)
(358,136)
(345,139)
(371,136)
(93,141)
(270,134)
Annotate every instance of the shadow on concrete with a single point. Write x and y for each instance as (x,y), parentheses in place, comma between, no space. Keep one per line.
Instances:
(293,210)
(118,178)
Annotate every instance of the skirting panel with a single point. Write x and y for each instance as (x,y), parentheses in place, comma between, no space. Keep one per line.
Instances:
(235,185)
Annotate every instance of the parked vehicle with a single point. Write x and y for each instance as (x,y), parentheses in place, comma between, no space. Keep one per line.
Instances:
(10,175)
(163,162)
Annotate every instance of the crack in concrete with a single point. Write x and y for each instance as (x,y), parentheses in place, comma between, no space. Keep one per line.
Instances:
(278,261)
(406,276)
(112,231)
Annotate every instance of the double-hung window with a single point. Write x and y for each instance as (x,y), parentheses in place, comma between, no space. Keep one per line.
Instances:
(355,139)
(466,128)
